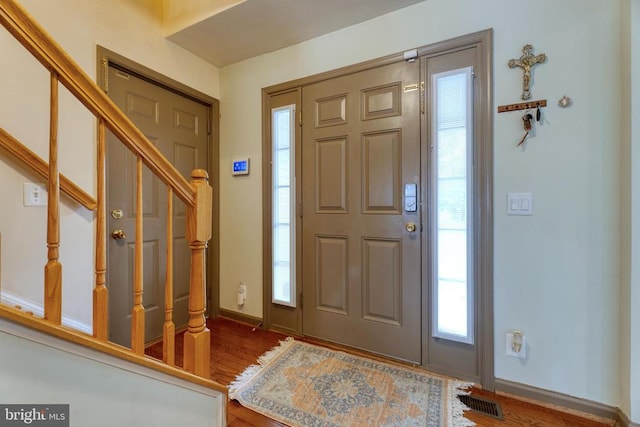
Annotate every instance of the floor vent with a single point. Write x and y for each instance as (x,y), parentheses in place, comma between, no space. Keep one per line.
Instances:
(482,406)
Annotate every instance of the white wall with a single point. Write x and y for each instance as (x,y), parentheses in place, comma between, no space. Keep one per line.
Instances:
(78,26)
(101,390)
(556,273)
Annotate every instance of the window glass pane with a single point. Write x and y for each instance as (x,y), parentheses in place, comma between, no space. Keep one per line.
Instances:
(283,165)
(281,205)
(453,284)
(452,310)
(283,201)
(281,282)
(281,247)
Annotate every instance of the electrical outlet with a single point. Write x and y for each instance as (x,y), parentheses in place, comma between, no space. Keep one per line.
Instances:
(242,293)
(34,194)
(518,347)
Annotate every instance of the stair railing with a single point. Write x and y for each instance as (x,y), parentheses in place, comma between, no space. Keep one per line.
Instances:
(197,195)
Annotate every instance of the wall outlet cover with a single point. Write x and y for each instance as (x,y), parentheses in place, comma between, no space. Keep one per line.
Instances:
(522,354)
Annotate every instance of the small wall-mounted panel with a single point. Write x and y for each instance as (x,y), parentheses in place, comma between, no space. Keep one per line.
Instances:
(240,167)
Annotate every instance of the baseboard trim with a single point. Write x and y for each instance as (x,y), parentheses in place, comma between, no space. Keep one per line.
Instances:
(624,420)
(558,401)
(239,317)
(11,299)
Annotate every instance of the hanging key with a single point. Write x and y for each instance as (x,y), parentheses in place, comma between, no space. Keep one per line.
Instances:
(526,122)
(527,119)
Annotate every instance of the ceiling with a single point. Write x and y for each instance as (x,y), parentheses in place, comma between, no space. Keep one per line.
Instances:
(255,27)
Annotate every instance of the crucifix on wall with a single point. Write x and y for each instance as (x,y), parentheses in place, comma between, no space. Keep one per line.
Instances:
(526,62)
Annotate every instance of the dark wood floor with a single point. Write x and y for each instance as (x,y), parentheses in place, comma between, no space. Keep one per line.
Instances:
(234,346)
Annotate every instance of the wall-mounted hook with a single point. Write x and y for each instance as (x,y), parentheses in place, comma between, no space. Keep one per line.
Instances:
(565,102)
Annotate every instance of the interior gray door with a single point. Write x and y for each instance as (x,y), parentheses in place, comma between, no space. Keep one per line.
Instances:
(361,243)
(177,126)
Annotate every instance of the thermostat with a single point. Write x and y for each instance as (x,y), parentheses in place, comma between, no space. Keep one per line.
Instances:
(241,167)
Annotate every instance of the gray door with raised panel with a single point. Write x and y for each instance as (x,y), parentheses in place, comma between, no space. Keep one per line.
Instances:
(177,126)
(361,252)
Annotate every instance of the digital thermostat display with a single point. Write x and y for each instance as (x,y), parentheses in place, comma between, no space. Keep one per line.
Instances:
(241,167)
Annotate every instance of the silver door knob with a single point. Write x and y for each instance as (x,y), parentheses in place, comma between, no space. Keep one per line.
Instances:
(118,234)
(410,227)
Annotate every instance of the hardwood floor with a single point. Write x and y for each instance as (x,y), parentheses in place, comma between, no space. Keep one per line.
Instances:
(235,346)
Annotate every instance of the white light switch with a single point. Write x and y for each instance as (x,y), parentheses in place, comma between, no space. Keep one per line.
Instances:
(519,203)
(34,194)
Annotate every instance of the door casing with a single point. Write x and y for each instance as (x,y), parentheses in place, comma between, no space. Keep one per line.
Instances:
(483,42)
(104,58)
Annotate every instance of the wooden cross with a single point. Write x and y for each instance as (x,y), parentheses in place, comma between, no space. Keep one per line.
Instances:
(526,62)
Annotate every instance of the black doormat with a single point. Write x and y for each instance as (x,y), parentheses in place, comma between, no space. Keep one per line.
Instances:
(482,406)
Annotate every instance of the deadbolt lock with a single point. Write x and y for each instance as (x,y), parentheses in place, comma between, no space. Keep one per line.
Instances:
(116,213)
(410,227)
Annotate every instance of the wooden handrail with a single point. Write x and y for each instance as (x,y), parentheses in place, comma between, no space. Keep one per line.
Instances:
(197,196)
(42,46)
(33,162)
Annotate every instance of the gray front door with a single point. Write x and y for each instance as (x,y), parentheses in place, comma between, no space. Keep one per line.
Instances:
(361,256)
(177,126)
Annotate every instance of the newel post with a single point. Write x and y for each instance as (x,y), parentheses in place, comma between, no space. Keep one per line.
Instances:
(197,337)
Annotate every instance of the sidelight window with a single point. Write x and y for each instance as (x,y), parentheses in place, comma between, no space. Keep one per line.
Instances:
(452,127)
(283,215)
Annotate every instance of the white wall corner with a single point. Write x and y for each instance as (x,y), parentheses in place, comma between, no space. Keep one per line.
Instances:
(11,299)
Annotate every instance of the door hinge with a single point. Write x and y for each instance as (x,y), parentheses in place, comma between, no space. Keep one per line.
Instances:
(300,210)
(301,300)
(105,72)
(209,127)
(300,118)
(422,92)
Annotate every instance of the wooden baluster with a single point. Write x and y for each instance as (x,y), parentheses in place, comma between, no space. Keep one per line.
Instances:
(169,331)
(197,337)
(53,269)
(137,312)
(100,292)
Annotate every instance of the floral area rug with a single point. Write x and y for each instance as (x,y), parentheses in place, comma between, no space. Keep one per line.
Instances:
(300,384)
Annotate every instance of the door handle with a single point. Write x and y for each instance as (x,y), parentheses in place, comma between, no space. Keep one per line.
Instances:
(118,234)
(411,227)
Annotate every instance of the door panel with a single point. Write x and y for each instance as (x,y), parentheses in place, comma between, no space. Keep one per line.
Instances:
(361,268)
(177,126)
(443,355)
(286,318)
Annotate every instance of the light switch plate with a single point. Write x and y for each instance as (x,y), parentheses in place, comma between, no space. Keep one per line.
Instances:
(520,204)
(34,194)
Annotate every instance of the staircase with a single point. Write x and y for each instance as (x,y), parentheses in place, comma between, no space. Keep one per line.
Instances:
(196,194)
